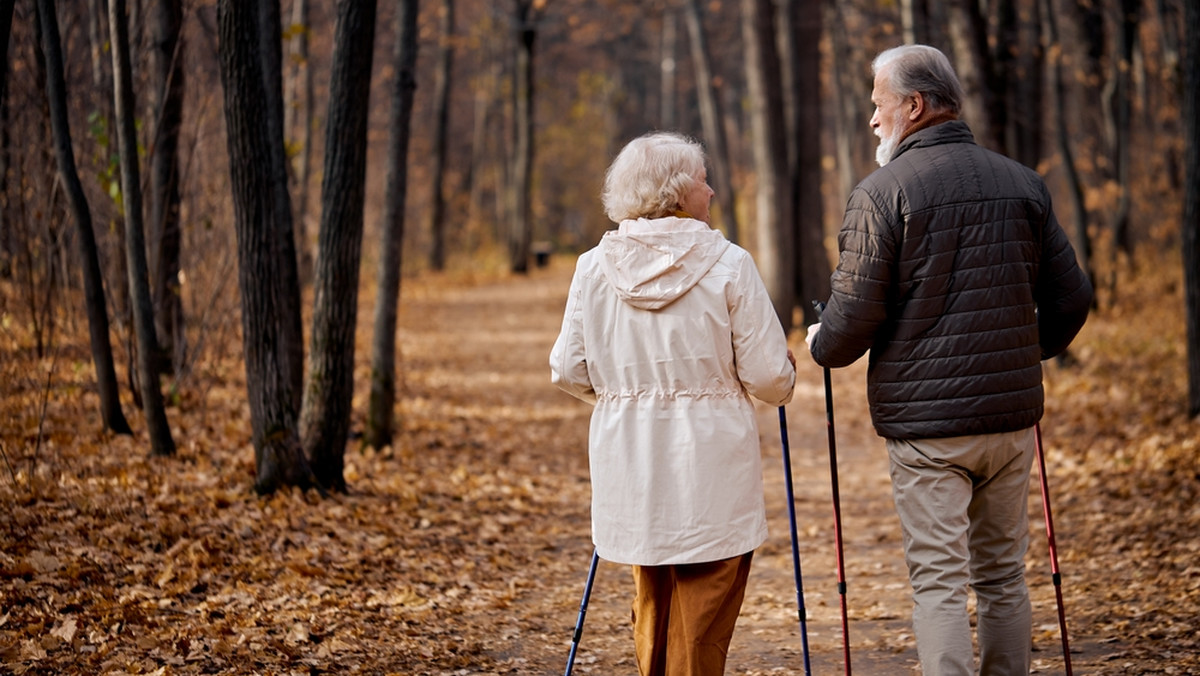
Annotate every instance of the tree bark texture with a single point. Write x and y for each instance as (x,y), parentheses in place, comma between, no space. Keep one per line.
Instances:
(520,191)
(1062,136)
(774,220)
(710,120)
(93,284)
(258,220)
(441,128)
(1127,27)
(329,386)
(270,56)
(666,69)
(851,119)
(118,290)
(161,442)
(166,66)
(968,34)
(383,345)
(298,123)
(1026,87)
(914,22)
(812,267)
(6,15)
(1191,197)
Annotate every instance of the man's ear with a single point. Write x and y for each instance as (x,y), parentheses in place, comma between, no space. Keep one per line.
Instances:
(917,107)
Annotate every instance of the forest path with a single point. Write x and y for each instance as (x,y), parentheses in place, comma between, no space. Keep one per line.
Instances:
(498,337)
(463,548)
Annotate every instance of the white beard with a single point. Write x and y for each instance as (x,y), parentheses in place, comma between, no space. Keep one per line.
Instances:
(883,152)
(887,146)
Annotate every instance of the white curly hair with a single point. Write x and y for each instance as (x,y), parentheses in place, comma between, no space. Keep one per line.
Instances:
(650,175)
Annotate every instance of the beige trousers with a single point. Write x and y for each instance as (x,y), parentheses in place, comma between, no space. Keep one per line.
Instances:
(963,507)
(683,615)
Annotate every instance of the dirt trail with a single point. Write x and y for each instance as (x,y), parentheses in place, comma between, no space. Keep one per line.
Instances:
(500,336)
(463,548)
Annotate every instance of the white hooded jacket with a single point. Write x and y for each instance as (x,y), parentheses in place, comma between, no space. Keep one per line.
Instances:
(668,330)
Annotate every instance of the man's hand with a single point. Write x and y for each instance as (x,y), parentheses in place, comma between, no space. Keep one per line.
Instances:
(812,332)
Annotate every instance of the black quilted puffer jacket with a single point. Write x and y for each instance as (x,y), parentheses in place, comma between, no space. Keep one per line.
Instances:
(957,277)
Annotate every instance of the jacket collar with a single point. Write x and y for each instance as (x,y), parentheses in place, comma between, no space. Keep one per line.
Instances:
(937,132)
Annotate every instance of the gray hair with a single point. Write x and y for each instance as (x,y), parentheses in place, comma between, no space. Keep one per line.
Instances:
(924,69)
(650,175)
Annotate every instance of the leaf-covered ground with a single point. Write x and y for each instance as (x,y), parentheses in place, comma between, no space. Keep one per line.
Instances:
(464,548)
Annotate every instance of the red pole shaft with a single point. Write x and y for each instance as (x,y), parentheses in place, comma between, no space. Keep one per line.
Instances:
(1055,574)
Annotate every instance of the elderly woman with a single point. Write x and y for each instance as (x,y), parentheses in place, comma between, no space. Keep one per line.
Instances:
(668,330)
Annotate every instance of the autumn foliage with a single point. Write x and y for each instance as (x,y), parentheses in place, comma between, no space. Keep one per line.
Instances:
(462,549)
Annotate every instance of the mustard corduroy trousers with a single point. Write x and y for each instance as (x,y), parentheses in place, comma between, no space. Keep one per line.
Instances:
(683,615)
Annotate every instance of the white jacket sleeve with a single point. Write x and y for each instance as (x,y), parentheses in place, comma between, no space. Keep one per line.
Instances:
(759,343)
(568,358)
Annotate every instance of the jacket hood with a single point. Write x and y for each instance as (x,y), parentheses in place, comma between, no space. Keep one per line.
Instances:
(652,262)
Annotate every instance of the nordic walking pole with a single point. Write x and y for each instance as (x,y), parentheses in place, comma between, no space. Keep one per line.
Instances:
(837,506)
(587,593)
(1055,575)
(787,477)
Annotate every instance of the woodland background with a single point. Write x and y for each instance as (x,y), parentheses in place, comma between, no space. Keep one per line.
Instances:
(234,398)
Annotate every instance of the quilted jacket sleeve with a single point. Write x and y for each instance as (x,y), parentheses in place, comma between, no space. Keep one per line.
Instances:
(1063,293)
(858,305)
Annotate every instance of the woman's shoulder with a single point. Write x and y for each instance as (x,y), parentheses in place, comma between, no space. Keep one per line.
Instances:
(736,257)
(588,263)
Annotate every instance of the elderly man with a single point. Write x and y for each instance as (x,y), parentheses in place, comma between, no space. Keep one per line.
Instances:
(956,276)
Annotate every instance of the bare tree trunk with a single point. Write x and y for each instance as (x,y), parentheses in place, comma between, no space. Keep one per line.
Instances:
(6,221)
(1191,198)
(1002,56)
(1127,28)
(37,243)
(710,120)
(166,66)
(441,125)
(968,34)
(383,345)
(774,220)
(298,126)
(482,146)
(259,218)
(666,69)
(520,188)
(161,442)
(1022,59)
(118,288)
(914,21)
(97,41)
(6,15)
(270,57)
(325,415)
(93,284)
(1087,108)
(1062,135)
(812,268)
(851,120)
